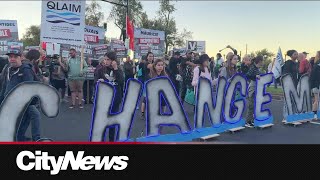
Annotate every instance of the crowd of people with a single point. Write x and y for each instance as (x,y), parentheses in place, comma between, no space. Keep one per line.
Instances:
(70,77)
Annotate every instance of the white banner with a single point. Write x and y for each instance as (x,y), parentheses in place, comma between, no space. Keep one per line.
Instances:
(146,40)
(63,21)
(276,69)
(197,46)
(94,35)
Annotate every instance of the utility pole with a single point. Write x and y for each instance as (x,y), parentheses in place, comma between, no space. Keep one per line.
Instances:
(246,49)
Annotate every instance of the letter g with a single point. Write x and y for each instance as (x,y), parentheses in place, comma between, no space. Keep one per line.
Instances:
(19,160)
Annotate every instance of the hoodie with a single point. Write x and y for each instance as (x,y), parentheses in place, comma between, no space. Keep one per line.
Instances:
(14,76)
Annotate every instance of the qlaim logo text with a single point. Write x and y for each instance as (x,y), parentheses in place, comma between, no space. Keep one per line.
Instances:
(42,161)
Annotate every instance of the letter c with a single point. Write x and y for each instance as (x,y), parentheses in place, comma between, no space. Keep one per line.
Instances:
(19,160)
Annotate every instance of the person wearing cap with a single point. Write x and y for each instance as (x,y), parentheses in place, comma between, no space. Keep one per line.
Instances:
(304,64)
(218,65)
(291,66)
(15,73)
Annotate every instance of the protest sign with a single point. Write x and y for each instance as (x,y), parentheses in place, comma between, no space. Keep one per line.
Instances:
(8,34)
(119,47)
(63,22)
(196,46)
(149,40)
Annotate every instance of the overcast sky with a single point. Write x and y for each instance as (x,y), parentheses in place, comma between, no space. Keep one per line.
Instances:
(260,24)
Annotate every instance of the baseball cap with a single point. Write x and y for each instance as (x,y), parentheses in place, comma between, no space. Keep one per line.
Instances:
(16,52)
(305,52)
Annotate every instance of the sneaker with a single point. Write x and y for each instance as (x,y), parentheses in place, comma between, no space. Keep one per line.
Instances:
(71,106)
(80,106)
(249,125)
(315,117)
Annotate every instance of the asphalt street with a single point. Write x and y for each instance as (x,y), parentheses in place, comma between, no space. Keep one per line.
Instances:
(74,125)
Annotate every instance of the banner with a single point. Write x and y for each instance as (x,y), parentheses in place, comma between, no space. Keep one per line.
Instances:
(8,34)
(63,22)
(146,40)
(94,35)
(197,46)
(276,69)
(118,46)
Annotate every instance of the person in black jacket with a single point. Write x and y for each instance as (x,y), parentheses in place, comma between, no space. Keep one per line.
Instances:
(315,83)
(129,69)
(15,73)
(111,73)
(291,66)
(174,72)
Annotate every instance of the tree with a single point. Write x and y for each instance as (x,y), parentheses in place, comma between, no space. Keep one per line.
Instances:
(94,16)
(118,14)
(268,57)
(166,22)
(32,36)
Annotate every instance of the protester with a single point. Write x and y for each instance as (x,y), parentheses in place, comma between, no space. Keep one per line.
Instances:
(58,72)
(186,71)
(145,68)
(229,68)
(76,78)
(315,84)
(212,65)
(202,70)
(245,65)
(175,76)
(129,69)
(218,65)
(291,67)
(88,84)
(253,74)
(304,64)
(111,73)
(15,73)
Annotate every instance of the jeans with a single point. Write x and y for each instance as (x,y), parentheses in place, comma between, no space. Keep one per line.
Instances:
(32,115)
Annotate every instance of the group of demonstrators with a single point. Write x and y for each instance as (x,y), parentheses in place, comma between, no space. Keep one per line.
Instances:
(184,73)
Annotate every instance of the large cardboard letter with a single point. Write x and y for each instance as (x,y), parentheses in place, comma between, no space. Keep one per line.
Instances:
(236,80)
(156,88)
(298,99)
(103,117)
(15,103)
(205,102)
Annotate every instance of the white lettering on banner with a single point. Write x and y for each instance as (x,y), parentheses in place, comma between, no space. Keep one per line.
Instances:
(64,6)
(3,43)
(192,45)
(5,33)
(42,161)
(91,38)
(149,41)
(3,48)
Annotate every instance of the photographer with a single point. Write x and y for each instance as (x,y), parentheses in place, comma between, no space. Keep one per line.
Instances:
(58,70)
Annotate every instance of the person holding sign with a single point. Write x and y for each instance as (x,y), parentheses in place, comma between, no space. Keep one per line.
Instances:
(111,73)
(76,69)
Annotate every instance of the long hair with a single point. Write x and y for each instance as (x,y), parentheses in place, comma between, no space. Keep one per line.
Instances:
(153,71)
(231,70)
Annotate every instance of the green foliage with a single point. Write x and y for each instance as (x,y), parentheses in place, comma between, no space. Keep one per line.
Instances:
(32,36)
(94,16)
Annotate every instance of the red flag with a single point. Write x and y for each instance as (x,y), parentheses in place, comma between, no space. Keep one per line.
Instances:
(130,33)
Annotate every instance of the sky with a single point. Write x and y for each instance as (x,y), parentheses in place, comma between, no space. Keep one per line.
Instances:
(259,24)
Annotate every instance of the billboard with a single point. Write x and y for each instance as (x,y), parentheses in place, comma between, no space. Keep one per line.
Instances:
(8,35)
(63,22)
(146,40)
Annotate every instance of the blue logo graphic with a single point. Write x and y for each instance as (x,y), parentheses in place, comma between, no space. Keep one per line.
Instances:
(63,18)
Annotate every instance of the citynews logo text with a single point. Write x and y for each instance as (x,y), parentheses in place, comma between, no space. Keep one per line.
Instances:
(42,161)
